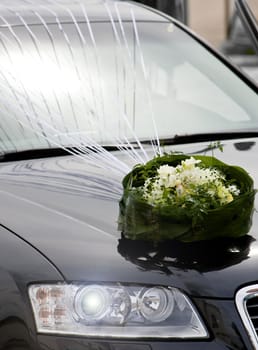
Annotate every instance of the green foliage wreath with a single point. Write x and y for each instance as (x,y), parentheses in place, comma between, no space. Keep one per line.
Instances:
(198,218)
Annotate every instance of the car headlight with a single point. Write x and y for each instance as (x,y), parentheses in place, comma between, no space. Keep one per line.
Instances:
(114,310)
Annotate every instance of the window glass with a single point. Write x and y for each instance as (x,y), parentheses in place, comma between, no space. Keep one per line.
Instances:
(108,82)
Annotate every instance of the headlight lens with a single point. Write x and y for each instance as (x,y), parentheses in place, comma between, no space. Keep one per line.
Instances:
(156,304)
(92,303)
(115,311)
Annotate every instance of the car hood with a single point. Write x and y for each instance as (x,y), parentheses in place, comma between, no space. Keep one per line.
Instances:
(68,209)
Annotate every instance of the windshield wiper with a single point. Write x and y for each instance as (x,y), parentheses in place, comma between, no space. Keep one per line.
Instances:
(202,137)
(192,138)
(37,153)
(32,154)
(175,140)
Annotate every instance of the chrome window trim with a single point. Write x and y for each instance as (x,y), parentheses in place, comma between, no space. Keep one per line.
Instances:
(242,296)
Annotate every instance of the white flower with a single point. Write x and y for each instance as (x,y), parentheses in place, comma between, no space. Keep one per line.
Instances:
(234,190)
(185,182)
(180,190)
(166,170)
(224,195)
(190,163)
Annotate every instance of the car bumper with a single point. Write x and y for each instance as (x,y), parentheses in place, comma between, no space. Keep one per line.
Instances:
(61,343)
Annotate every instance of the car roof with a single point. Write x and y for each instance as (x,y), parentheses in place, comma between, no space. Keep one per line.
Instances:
(32,12)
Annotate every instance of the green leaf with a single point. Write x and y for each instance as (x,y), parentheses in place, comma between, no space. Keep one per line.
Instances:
(140,220)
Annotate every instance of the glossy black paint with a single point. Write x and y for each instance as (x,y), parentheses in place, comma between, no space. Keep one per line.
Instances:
(19,264)
(53,228)
(76,228)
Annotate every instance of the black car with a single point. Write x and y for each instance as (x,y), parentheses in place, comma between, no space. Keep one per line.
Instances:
(89,89)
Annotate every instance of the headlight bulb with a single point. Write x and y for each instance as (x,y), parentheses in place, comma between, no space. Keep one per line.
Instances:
(92,303)
(156,304)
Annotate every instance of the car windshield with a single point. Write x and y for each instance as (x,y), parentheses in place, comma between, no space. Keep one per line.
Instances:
(106,82)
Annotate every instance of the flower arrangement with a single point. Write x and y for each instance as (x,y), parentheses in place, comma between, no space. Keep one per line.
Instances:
(188,198)
(188,185)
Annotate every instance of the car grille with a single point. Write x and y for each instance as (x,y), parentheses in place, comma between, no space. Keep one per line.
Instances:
(247,305)
(252,310)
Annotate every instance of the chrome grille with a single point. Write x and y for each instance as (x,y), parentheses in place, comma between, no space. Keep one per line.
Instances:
(247,305)
(252,309)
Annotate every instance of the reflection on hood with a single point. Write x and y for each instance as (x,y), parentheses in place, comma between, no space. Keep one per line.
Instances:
(202,256)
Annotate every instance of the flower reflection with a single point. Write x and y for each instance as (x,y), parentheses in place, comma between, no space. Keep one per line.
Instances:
(202,256)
